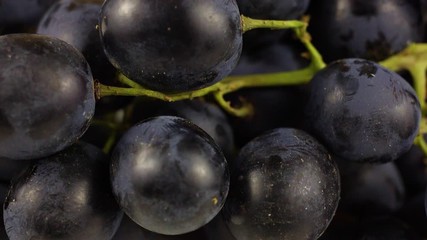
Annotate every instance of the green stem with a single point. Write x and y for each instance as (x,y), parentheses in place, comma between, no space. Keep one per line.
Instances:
(126,81)
(243,111)
(234,83)
(419,140)
(102,123)
(227,85)
(110,142)
(418,73)
(250,23)
(414,59)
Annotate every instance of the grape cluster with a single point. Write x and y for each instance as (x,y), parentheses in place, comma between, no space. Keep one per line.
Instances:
(188,119)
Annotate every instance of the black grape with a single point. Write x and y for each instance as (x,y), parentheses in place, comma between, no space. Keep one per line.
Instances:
(65,196)
(169,176)
(170,45)
(370,189)
(46,96)
(370,29)
(285,186)
(129,230)
(284,55)
(19,12)
(362,111)
(205,115)
(273,9)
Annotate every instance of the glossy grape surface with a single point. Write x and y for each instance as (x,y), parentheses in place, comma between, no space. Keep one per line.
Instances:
(370,29)
(362,111)
(208,116)
(129,230)
(74,21)
(169,176)
(65,196)
(285,186)
(46,96)
(171,45)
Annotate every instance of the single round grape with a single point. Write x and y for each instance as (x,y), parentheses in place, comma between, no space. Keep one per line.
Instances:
(285,186)
(46,96)
(370,189)
(169,176)
(370,29)
(171,45)
(363,112)
(65,196)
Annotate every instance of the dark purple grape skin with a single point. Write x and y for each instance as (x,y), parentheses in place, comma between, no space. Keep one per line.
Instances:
(65,196)
(13,12)
(362,112)
(372,30)
(208,116)
(370,189)
(169,176)
(170,45)
(284,55)
(129,230)
(46,96)
(285,186)
(273,9)
(74,21)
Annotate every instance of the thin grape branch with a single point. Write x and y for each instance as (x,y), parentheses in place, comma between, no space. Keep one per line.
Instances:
(234,83)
